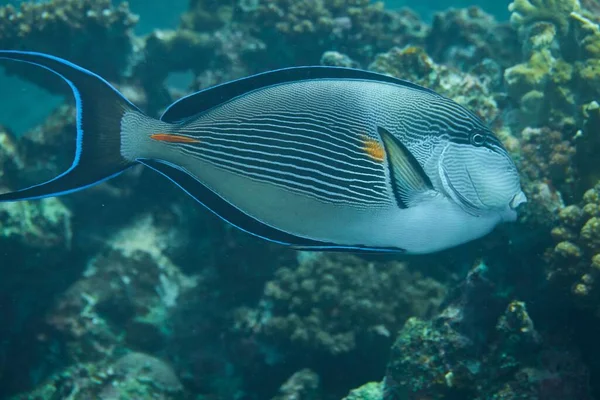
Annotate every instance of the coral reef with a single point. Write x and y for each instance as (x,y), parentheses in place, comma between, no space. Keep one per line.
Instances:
(48,149)
(591,6)
(133,376)
(332,303)
(556,90)
(44,225)
(414,64)
(210,58)
(359,28)
(10,159)
(47,26)
(574,261)
(525,12)
(466,37)
(546,162)
(474,350)
(559,74)
(165,52)
(35,240)
(304,385)
(117,270)
(547,155)
(543,84)
(336,59)
(368,391)
(210,15)
(123,299)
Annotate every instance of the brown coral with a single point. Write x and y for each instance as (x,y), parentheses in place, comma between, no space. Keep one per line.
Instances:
(414,64)
(560,72)
(98,34)
(547,156)
(329,303)
(359,28)
(574,260)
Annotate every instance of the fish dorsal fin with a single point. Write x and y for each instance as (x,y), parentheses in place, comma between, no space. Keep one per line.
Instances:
(408,178)
(206,99)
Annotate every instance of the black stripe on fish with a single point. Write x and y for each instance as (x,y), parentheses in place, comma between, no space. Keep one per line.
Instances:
(338,164)
(310,143)
(243,221)
(336,134)
(292,178)
(437,115)
(307,158)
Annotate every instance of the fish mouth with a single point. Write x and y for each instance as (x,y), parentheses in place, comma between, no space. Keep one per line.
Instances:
(517,200)
(510,214)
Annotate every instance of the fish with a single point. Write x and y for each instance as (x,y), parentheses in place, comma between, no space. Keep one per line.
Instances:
(312,157)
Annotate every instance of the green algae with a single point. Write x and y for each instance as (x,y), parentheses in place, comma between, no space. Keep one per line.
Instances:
(531,75)
(525,12)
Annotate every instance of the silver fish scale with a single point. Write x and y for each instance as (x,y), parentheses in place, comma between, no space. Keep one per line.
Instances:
(309,136)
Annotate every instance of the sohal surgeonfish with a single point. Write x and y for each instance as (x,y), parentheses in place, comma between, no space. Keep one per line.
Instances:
(320,158)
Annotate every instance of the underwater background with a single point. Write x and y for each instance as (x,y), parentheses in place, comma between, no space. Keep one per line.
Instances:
(130,290)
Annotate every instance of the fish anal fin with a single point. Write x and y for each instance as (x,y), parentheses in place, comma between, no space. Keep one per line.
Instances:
(409,180)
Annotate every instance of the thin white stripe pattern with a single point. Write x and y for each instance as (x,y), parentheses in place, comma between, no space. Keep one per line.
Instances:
(309,136)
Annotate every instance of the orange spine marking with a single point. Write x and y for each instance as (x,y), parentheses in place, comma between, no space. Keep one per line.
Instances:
(374,149)
(172,138)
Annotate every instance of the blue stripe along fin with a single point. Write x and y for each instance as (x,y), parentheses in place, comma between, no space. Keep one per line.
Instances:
(195,103)
(100,108)
(234,216)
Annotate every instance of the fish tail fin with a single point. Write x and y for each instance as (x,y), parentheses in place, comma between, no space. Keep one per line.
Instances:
(100,110)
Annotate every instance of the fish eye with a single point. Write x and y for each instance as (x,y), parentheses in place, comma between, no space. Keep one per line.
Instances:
(477,138)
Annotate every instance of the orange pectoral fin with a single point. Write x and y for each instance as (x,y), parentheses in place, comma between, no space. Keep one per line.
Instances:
(173,138)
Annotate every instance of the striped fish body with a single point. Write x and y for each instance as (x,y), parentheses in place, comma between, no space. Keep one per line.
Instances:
(306,157)
(317,158)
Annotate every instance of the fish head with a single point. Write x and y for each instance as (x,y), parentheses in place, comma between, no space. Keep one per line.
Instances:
(481,176)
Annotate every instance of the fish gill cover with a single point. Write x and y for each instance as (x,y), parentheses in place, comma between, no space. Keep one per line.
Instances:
(130,290)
